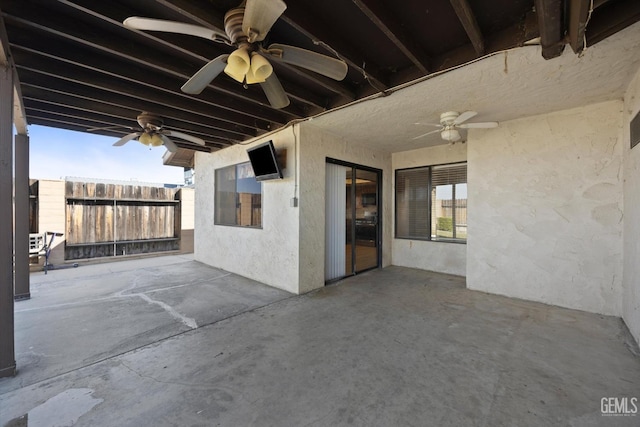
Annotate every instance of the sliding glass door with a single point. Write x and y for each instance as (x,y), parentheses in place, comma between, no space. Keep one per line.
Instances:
(352,219)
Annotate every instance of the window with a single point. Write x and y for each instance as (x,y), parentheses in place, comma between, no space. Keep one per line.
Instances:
(431,203)
(238,197)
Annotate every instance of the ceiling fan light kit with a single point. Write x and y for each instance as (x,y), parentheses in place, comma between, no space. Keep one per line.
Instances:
(145,139)
(451,135)
(260,69)
(238,63)
(246,27)
(451,121)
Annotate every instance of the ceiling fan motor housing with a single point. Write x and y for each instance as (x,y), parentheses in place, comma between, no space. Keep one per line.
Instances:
(233,25)
(150,122)
(448,117)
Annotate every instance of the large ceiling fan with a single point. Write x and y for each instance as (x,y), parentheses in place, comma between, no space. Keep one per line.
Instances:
(451,122)
(154,135)
(245,29)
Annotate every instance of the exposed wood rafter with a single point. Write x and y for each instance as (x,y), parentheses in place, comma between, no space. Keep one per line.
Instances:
(610,18)
(550,23)
(382,19)
(322,35)
(578,13)
(77,65)
(470,24)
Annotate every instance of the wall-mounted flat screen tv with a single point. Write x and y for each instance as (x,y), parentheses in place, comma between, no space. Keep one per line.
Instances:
(264,161)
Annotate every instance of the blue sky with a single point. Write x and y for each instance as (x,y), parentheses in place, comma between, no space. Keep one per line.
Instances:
(57,153)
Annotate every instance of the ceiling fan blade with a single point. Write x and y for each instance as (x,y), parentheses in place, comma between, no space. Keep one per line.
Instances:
(150,24)
(316,62)
(184,136)
(275,92)
(428,133)
(259,17)
(168,143)
(464,117)
(126,139)
(429,124)
(205,75)
(485,125)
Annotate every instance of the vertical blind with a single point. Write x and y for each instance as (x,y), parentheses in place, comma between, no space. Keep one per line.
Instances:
(335,228)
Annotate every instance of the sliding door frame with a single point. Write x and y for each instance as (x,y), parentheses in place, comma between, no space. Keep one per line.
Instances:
(378,173)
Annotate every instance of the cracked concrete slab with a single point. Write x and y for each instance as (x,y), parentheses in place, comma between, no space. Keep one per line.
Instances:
(79,317)
(389,347)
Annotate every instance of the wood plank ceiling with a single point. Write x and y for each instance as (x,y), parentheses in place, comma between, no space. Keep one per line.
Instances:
(80,68)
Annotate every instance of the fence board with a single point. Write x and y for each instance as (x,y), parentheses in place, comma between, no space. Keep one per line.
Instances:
(99,216)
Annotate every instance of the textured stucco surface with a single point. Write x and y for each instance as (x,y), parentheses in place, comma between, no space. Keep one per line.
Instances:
(631,294)
(502,87)
(269,254)
(442,257)
(545,209)
(315,146)
(51,215)
(288,252)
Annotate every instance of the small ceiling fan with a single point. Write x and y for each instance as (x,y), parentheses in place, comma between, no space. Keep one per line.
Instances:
(451,122)
(154,135)
(246,26)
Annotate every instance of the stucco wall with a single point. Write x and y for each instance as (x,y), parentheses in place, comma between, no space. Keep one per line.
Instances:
(315,147)
(545,209)
(51,215)
(186,219)
(268,255)
(631,292)
(442,257)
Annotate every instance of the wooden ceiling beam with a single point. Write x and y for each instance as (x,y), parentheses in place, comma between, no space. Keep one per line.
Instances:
(68,93)
(578,11)
(321,35)
(114,117)
(110,85)
(550,23)
(114,14)
(63,124)
(382,18)
(193,11)
(40,109)
(610,18)
(107,9)
(468,20)
(109,12)
(82,122)
(212,129)
(206,18)
(513,36)
(236,111)
(54,25)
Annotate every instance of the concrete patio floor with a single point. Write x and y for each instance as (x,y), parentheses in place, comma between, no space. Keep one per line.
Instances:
(171,342)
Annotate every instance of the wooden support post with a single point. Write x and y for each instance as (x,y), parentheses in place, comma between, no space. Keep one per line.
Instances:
(550,23)
(21,234)
(7,345)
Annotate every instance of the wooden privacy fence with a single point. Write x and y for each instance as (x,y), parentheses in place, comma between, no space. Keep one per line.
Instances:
(112,219)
